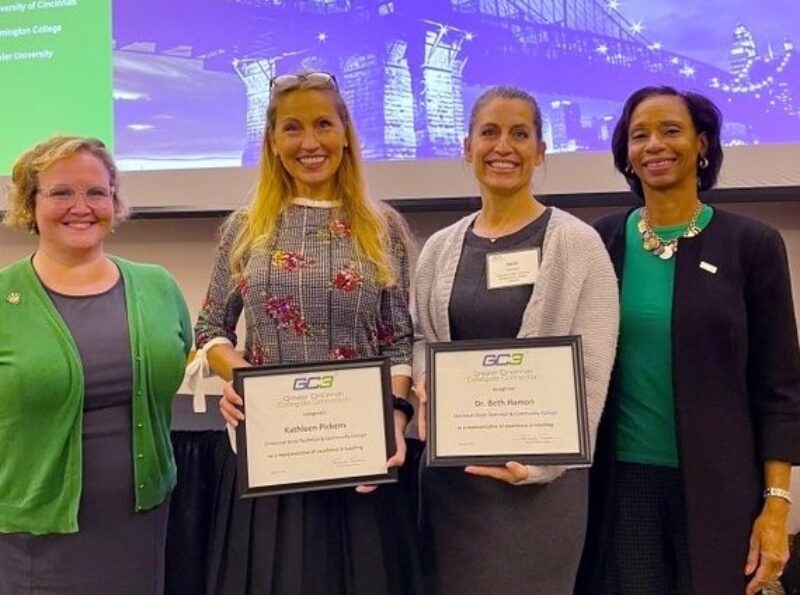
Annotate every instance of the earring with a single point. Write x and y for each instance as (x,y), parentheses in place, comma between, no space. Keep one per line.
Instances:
(629,169)
(702,163)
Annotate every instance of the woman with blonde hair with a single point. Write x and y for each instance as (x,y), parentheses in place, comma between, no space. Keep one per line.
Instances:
(321,273)
(92,351)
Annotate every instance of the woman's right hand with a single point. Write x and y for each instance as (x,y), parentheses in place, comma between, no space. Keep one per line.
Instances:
(230,405)
(422,410)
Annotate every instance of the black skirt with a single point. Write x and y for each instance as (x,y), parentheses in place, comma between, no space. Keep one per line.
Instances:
(482,536)
(334,542)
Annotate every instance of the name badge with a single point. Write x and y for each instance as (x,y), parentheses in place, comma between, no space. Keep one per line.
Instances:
(512,269)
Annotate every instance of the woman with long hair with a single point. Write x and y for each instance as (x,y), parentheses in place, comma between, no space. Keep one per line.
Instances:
(321,273)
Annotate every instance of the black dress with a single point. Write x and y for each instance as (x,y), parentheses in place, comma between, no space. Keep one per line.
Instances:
(116,550)
(483,536)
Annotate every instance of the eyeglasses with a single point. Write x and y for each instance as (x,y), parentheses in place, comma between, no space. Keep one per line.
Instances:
(66,196)
(284,82)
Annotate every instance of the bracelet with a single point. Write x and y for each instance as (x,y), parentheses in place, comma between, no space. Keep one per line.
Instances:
(401,404)
(778,493)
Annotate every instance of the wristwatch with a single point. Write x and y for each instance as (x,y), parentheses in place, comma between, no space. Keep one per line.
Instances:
(778,493)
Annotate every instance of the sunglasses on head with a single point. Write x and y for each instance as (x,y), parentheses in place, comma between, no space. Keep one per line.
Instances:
(283,82)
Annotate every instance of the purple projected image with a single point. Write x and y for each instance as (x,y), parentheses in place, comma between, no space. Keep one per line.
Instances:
(192,76)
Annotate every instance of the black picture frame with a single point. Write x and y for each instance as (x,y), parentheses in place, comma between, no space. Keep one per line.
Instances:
(246,487)
(581,455)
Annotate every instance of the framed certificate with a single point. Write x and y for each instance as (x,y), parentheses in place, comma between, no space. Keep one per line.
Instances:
(494,401)
(314,426)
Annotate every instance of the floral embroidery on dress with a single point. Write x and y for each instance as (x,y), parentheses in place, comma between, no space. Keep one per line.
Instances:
(244,287)
(342,352)
(332,309)
(257,355)
(337,229)
(340,229)
(290,261)
(287,314)
(386,334)
(346,279)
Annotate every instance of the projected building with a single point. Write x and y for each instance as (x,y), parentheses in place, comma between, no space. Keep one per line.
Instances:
(743,50)
(411,69)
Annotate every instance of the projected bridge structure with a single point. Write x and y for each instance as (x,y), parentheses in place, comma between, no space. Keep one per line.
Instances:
(409,68)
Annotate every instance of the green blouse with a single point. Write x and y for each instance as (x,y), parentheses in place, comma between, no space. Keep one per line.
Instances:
(646,421)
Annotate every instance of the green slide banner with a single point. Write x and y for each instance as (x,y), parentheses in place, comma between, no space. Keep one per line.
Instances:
(55,72)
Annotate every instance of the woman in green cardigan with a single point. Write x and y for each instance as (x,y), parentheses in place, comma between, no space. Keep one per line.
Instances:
(92,350)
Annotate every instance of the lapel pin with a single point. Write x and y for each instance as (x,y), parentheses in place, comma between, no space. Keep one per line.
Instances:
(13,298)
(708,267)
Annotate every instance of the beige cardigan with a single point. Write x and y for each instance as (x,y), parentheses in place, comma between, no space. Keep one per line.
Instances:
(575,294)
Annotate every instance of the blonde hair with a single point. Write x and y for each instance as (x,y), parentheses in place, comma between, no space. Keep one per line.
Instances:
(274,192)
(25,177)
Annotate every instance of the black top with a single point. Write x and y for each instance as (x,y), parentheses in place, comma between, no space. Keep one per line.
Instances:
(480,313)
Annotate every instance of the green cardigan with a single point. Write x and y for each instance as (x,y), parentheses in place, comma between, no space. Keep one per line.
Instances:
(41,396)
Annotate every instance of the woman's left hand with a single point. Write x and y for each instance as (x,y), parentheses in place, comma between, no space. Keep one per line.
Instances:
(512,473)
(769,545)
(399,457)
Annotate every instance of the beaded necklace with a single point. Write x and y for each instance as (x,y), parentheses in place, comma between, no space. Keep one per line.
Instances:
(665,249)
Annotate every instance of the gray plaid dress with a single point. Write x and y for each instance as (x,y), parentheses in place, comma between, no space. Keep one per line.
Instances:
(309,296)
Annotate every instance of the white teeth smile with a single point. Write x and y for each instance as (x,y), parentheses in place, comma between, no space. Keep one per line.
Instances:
(505,165)
(79,224)
(312,161)
(658,164)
